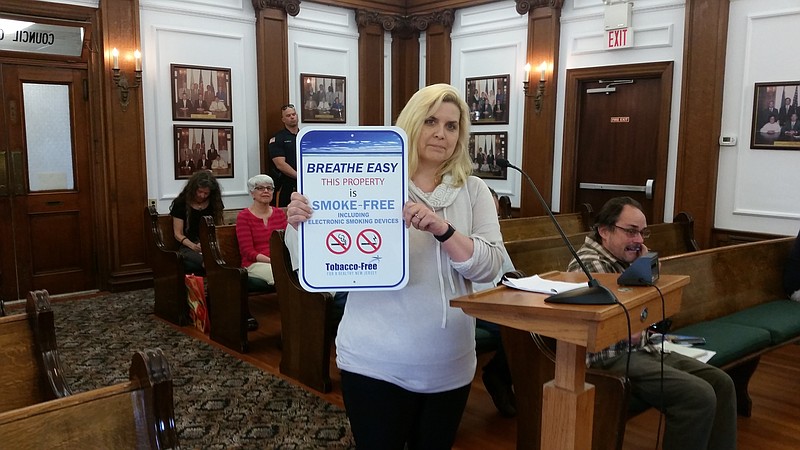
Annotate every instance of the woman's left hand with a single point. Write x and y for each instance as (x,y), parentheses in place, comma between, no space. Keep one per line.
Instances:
(419,216)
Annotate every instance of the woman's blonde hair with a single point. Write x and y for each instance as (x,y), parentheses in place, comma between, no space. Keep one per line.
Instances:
(421,105)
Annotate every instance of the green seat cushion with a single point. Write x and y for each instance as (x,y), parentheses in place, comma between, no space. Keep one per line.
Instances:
(258,285)
(731,341)
(484,341)
(780,317)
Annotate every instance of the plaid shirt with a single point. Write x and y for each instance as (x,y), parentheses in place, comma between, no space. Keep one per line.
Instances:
(598,260)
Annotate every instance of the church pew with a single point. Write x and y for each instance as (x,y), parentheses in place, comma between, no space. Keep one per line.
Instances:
(734,300)
(169,288)
(545,254)
(306,328)
(229,286)
(520,228)
(137,414)
(31,366)
(168,273)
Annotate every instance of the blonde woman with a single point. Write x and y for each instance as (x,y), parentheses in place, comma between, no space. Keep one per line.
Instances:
(408,358)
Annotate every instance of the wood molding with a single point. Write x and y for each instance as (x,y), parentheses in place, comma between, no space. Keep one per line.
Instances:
(272,62)
(370,74)
(438,56)
(704,47)
(405,69)
(290,7)
(123,177)
(538,139)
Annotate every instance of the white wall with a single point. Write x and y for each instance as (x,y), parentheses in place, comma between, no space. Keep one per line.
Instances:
(491,40)
(757,190)
(213,33)
(323,40)
(658,27)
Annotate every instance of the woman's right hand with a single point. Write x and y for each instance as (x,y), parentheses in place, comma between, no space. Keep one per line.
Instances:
(298,210)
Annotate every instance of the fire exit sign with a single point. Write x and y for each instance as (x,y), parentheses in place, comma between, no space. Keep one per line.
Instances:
(620,38)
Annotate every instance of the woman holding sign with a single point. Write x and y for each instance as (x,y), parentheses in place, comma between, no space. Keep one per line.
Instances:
(408,358)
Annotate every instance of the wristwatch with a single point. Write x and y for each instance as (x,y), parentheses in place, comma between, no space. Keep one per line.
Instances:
(447,234)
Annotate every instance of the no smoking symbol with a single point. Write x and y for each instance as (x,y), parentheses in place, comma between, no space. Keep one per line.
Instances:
(368,241)
(338,241)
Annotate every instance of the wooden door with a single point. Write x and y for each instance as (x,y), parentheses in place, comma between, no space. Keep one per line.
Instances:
(616,139)
(45,184)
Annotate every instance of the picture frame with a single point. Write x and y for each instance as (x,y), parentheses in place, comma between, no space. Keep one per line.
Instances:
(780,101)
(203,148)
(484,150)
(488,99)
(323,98)
(201,93)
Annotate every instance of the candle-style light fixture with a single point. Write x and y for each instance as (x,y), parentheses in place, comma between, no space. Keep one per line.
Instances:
(121,80)
(538,96)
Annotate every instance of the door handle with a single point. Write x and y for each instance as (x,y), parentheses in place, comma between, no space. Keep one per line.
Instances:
(647,188)
(3,175)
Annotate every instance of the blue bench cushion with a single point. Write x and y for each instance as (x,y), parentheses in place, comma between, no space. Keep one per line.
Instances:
(781,318)
(731,341)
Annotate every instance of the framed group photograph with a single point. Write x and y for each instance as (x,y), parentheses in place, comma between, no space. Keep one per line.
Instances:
(487,98)
(323,98)
(775,116)
(203,148)
(201,93)
(484,150)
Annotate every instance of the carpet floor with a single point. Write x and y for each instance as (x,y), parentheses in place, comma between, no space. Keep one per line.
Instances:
(220,402)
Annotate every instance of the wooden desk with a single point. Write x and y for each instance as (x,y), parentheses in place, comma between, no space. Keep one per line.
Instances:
(568,400)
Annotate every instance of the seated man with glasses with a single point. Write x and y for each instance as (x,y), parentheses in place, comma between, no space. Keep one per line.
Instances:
(698,400)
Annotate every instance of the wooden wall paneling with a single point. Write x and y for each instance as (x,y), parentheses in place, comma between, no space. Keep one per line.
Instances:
(437,61)
(705,39)
(124,177)
(405,68)
(370,74)
(272,62)
(538,140)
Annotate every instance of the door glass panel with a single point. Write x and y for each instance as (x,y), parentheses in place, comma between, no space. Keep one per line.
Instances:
(48,136)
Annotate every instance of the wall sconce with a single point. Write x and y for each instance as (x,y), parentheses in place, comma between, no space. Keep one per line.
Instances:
(538,96)
(121,80)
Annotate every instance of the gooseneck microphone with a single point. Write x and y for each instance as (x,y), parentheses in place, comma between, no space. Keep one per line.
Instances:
(594,293)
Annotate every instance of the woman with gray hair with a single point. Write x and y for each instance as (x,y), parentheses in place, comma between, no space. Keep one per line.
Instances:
(254,226)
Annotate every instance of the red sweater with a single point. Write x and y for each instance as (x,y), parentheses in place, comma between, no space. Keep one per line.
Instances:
(253,235)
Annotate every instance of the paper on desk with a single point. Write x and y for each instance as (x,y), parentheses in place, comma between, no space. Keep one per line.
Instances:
(697,353)
(538,284)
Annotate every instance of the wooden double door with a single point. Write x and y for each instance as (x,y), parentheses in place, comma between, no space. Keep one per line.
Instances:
(46,218)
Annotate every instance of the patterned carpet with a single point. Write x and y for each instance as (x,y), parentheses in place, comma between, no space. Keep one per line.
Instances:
(220,401)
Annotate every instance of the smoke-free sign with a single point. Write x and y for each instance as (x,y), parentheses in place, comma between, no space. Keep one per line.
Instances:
(356,180)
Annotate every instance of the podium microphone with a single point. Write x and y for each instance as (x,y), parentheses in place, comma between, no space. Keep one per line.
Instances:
(594,293)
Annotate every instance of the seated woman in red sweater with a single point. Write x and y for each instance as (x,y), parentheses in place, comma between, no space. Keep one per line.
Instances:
(254,226)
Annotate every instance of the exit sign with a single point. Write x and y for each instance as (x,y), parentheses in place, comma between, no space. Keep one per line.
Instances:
(620,38)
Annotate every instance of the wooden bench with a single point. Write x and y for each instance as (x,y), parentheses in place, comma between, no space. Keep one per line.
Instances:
(229,286)
(545,254)
(168,272)
(137,414)
(541,226)
(734,299)
(31,366)
(306,328)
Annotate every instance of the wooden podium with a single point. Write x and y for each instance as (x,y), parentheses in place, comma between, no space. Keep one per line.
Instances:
(568,401)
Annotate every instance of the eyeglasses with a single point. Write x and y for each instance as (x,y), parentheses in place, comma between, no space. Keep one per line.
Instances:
(633,232)
(264,188)
(286,106)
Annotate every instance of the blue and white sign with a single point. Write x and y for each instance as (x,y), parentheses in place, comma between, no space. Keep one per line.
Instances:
(356,180)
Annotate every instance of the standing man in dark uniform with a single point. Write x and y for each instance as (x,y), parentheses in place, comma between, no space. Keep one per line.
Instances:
(283,152)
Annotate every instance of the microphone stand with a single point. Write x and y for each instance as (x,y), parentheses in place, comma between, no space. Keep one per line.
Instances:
(594,293)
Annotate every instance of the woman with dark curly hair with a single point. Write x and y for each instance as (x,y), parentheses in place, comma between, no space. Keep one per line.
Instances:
(200,197)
